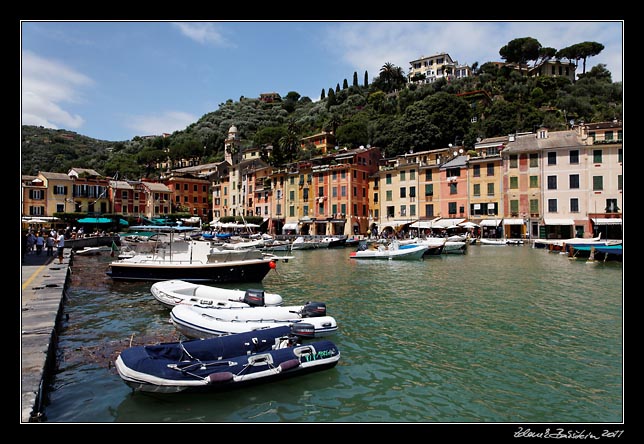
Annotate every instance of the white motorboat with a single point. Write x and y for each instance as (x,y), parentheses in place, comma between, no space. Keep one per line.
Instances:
(205,322)
(175,292)
(394,251)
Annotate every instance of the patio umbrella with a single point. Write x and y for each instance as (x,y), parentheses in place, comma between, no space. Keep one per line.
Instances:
(95,220)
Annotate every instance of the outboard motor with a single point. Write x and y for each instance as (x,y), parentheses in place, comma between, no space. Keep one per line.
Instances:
(254,297)
(303,330)
(314,309)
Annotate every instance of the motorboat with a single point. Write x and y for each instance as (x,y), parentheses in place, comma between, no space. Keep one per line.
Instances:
(394,251)
(224,362)
(175,292)
(197,261)
(195,321)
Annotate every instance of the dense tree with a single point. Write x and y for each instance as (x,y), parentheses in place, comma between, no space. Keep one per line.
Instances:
(521,51)
(323,94)
(581,51)
(365,83)
(355,79)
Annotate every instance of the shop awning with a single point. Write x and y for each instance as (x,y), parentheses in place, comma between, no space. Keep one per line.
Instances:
(291,226)
(513,222)
(444,223)
(95,220)
(558,221)
(490,222)
(396,222)
(607,220)
(424,223)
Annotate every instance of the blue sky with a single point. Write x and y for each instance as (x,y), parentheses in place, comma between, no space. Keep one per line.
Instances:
(116,80)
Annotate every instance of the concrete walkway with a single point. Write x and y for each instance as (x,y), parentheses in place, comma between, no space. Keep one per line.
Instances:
(43,285)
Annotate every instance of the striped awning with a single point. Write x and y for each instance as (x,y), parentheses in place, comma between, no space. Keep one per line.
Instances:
(607,220)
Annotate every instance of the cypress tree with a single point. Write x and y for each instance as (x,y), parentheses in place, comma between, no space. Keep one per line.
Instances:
(366,79)
(355,78)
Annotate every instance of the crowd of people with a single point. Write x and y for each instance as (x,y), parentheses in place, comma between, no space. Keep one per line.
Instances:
(43,241)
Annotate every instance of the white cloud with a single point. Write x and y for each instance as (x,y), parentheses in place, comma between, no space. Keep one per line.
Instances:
(46,85)
(157,124)
(204,33)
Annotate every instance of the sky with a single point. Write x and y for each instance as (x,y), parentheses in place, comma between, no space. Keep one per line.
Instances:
(114,80)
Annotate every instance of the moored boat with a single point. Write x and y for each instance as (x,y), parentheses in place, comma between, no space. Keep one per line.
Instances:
(204,322)
(392,252)
(175,292)
(198,262)
(224,362)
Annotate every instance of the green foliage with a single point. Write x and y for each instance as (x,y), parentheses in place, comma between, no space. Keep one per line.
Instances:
(388,113)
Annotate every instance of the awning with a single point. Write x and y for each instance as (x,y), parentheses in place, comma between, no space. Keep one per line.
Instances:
(396,222)
(291,226)
(490,222)
(607,220)
(95,220)
(444,223)
(513,222)
(558,221)
(424,223)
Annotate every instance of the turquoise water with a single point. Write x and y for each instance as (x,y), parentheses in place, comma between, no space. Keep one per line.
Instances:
(497,335)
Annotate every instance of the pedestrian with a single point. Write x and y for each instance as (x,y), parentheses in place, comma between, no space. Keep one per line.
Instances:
(50,245)
(60,245)
(31,241)
(40,243)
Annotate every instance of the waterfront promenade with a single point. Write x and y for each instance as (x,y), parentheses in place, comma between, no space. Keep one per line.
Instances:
(43,284)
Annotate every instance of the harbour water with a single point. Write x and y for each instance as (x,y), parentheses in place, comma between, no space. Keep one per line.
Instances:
(500,334)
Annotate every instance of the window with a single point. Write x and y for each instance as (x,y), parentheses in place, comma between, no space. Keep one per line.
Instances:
(514,161)
(476,190)
(403,192)
(343,191)
(534,206)
(388,196)
(390,211)
(598,183)
(375,197)
(291,211)
(574,205)
(552,182)
(429,210)
(402,176)
(619,155)
(534,181)
(608,135)
(305,194)
(428,175)
(534,160)
(194,188)
(124,195)
(429,189)
(552,158)
(412,210)
(611,206)
(619,182)
(514,206)
(597,156)
(574,181)
(514,182)
(355,191)
(552,205)
(574,157)
(291,195)
(320,191)
(476,171)
(185,187)
(490,189)
(59,189)
(334,192)
(388,179)
(451,207)
(412,174)
(412,191)
(453,188)
(490,169)
(403,210)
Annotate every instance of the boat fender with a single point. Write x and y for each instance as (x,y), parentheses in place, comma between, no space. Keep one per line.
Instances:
(287,365)
(254,297)
(215,378)
(314,309)
(303,330)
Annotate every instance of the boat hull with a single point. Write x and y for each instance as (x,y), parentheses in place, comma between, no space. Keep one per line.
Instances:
(407,252)
(222,363)
(204,322)
(175,292)
(254,271)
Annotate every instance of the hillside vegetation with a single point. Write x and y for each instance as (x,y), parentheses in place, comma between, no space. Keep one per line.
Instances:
(384,112)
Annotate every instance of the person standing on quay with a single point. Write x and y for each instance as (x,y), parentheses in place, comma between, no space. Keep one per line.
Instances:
(40,243)
(60,244)
(50,244)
